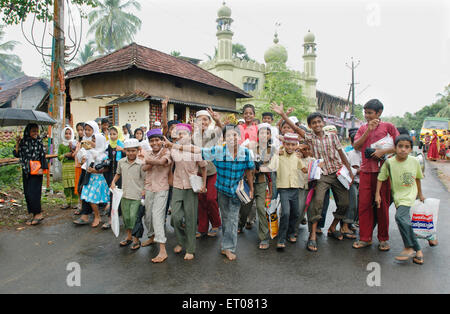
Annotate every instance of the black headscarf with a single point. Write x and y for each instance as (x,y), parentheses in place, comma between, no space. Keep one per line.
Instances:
(31,149)
(143,135)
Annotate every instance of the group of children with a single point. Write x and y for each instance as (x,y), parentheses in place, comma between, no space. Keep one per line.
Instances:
(195,169)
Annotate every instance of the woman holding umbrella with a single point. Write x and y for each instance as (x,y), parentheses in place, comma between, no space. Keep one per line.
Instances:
(30,151)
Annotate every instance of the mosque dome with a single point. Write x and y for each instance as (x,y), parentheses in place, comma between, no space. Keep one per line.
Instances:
(277,53)
(224,11)
(309,37)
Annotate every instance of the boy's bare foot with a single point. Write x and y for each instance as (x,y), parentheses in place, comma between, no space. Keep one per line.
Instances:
(150,241)
(229,254)
(432,242)
(188,256)
(159,258)
(178,249)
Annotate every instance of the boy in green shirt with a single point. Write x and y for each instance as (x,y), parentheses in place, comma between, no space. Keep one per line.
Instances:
(405,173)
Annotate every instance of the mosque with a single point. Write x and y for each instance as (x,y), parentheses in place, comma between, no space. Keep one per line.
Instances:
(250,75)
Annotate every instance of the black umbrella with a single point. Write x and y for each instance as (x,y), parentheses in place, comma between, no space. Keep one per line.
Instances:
(14,117)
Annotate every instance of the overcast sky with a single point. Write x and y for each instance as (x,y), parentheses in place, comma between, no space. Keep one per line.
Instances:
(403,45)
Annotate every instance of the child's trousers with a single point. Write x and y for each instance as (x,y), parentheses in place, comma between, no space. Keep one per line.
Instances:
(289,213)
(403,219)
(184,205)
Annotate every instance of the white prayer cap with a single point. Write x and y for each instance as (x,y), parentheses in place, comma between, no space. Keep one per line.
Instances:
(131,143)
(202,113)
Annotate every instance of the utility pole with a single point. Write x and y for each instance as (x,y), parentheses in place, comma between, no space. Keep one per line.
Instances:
(353,67)
(57,100)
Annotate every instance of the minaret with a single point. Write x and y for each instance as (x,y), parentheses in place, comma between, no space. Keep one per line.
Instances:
(309,67)
(224,58)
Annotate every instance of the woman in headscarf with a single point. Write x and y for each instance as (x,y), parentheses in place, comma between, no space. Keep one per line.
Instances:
(80,133)
(31,149)
(115,152)
(66,154)
(96,191)
(141,137)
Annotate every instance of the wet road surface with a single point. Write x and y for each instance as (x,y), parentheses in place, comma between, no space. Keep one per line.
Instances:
(29,263)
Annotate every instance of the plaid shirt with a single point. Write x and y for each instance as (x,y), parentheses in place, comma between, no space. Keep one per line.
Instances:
(229,171)
(326,148)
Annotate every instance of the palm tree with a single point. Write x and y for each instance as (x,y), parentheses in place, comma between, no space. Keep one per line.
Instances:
(10,65)
(113,27)
(87,54)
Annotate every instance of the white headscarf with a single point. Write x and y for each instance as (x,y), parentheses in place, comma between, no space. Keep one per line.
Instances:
(63,136)
(95,127)
(97,153)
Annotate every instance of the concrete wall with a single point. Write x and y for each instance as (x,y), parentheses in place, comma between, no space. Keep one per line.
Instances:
(136,113)
(161,85)
(87,110)
(29,98)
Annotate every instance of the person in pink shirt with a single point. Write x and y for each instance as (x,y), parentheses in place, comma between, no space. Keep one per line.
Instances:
(249,130)
(369,133)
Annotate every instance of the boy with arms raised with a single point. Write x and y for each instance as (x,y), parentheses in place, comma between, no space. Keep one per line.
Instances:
(325,146)
(232,161)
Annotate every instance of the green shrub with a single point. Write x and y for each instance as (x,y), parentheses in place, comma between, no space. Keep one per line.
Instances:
(9,175)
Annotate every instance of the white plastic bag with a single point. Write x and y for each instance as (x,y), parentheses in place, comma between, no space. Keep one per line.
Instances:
(273,212)
(115,223)
(384,143)
(424,218)
(344,177)
(196,183)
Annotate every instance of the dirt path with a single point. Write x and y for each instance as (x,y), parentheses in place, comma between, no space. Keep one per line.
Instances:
(442,169)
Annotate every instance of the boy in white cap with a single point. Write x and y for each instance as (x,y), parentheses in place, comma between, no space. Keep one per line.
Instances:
(287,166)
(133,176)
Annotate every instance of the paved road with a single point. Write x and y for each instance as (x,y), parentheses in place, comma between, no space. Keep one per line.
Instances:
(28,264)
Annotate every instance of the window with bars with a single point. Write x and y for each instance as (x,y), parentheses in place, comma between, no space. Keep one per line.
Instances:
(112,112)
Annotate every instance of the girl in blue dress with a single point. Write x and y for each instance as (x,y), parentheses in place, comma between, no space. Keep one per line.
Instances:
(96,191)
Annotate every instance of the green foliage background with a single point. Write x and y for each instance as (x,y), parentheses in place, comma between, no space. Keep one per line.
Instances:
(414,121)
(283,85)
(9,175)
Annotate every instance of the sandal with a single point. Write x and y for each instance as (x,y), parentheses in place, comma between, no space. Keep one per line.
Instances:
(198,235)
(292,239)
(106,226)
(404,257)
(213,233)
(263,245)
(77,212)
(125,243)
(281,245)
(81,222)
(240,230)
(248,225)
(136,245)
(361,244)
(335,234)
(311,245)
(36,222)
(319,231)
(349,235)
(384,246)
(418,260)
